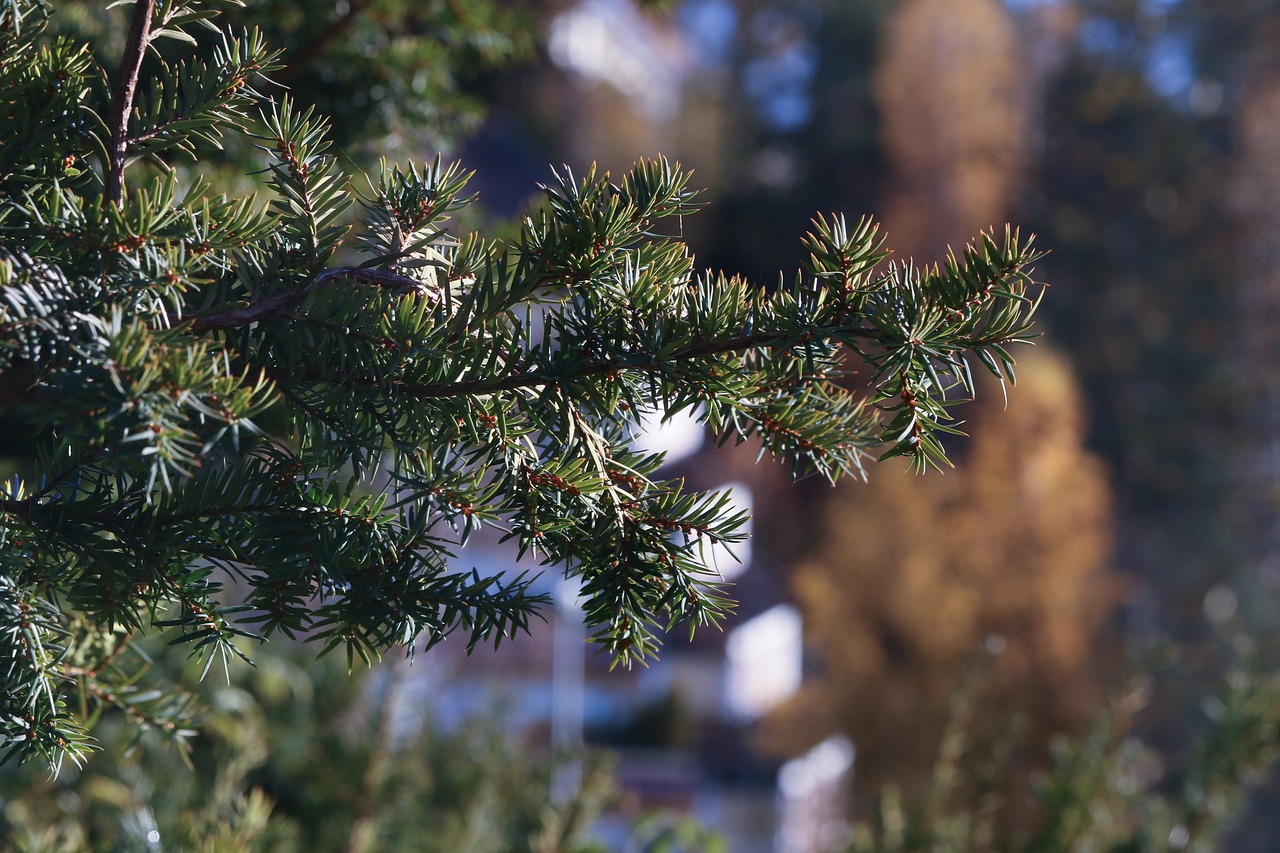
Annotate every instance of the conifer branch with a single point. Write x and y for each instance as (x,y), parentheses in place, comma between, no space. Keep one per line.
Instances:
(640,361)
(496,384)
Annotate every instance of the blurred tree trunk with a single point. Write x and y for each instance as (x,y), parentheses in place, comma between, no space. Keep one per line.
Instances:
(1257,205)
(954,107)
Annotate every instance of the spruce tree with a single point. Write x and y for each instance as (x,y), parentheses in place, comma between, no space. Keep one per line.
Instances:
(286,414)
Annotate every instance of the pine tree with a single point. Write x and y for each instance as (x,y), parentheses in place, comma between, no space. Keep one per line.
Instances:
(251,418)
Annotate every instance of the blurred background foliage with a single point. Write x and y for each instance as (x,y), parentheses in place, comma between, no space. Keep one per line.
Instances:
(297,755)
(1129,489)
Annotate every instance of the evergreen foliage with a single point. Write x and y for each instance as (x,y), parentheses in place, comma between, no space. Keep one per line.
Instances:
(248,422)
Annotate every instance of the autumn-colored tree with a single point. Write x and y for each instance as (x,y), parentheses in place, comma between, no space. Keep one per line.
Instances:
(915,574)
(1014,545)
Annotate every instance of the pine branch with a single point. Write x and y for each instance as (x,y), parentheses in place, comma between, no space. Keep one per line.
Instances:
(497,384)
(521,381)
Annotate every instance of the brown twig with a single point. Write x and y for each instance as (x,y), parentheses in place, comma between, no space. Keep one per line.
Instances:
(275,305)
(236,317)
(126,87)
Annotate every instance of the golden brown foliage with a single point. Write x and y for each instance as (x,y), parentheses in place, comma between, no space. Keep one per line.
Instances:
(916,573)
